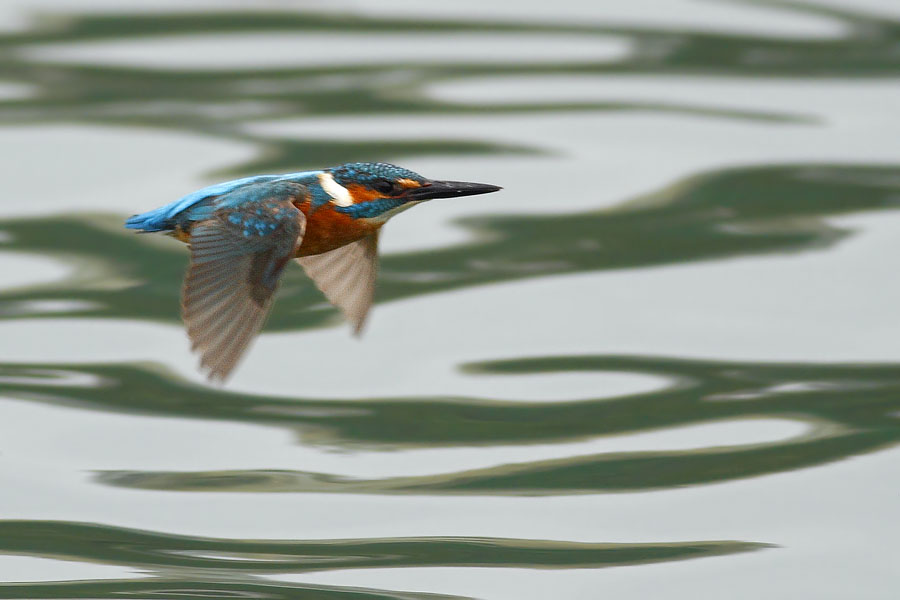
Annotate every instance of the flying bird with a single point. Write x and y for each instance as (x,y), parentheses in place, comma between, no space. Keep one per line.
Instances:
(243,233)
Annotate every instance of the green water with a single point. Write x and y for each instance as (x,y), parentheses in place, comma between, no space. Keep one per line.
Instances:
(670,343)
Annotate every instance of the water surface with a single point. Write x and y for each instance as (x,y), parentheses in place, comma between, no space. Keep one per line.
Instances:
(665,357)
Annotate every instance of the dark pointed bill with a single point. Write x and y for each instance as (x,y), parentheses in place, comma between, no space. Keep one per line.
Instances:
(450,189)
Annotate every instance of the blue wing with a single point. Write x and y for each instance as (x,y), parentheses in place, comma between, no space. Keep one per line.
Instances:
(200,204)
(238,253)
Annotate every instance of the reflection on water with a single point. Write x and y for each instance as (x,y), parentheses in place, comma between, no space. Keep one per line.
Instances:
(849,410)
(734,212)
(149,550)
(517,404)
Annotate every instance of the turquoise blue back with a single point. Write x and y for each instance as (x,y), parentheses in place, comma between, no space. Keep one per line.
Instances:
(199,205)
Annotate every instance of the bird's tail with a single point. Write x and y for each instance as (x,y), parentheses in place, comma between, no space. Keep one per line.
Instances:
(154,220)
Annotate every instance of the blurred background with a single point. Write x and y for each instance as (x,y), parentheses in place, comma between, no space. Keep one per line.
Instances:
(663,359)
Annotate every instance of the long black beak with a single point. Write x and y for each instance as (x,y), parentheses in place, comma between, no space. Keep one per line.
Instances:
(450,189)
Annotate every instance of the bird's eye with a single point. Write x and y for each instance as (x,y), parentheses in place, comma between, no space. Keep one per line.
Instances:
(383,186)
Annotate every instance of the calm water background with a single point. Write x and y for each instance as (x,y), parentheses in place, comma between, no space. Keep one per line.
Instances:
(665,361)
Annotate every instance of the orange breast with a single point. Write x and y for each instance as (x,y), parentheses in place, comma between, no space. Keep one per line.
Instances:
(327,229)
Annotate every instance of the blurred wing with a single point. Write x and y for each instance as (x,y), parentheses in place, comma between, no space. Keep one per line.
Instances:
(346,276)
(237,258)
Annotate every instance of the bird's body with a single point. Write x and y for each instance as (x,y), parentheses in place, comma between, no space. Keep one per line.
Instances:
(243,233)
(326,228)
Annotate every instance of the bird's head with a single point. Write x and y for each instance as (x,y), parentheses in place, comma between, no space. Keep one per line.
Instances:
(380,190)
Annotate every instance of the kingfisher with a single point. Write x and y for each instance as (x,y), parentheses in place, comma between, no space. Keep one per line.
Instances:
(243,233)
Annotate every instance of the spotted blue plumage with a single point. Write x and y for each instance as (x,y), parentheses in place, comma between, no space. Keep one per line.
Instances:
(365,173)
(202,204)
(199,205)
(318,196)
(258,219)
(256,209)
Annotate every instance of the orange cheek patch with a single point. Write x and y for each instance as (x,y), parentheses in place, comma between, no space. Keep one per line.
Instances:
(409,183)
(361,193)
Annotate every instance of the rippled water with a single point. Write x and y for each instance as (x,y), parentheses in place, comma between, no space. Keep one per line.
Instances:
(671,343)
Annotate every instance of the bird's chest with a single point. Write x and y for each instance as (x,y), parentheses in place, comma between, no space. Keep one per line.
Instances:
(327,229)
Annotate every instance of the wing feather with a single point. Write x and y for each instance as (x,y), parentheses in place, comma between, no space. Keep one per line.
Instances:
(237,258)
(347,277)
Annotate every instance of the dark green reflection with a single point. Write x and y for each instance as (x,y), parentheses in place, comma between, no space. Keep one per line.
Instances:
(850,410)
(217,102)
(726,213)
(213,587)
(177,566)
(159,552)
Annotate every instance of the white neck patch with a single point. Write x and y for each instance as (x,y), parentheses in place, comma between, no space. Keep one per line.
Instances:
(339,194)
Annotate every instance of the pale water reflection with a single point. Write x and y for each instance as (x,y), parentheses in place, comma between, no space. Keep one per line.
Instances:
(278,50)
(20,569)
